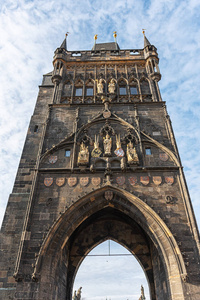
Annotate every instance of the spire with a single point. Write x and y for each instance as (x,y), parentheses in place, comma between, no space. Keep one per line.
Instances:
(64,43)
(146,41)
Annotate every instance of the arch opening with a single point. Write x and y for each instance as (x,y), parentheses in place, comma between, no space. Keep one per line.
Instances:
(125,219)
(110,271)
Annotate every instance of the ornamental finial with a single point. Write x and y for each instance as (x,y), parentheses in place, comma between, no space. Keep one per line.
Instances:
(143,31)
(95,37)
(66,34)
(115,35)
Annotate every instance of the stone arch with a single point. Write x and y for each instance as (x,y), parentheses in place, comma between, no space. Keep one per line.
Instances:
(147,270)
(130,206)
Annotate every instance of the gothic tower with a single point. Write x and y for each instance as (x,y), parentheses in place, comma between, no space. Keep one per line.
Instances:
(100,162)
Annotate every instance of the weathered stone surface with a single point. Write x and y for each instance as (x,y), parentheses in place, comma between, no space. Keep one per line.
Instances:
(60,209)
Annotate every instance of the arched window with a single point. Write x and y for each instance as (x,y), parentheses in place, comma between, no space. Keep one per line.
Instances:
(145,89)
(78,89)
(122,87)
(89,88)
(133,88)
(150,67)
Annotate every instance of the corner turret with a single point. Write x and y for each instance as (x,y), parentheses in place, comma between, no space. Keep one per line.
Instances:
(152,60)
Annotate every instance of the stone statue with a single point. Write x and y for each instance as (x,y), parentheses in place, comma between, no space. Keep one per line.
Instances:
(107,145)
(78,295)
(111,86)
(142,297)
(74,296)
(83,156)
(132,156)
(100,87)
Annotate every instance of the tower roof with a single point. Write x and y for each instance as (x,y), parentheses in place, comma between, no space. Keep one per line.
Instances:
(64,44)
(146,41)
(106,46)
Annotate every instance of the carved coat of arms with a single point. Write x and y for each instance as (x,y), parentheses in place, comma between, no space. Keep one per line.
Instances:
(72,181)
(106,114)
(157,180)
(120,180)
(163,156)
(53,159)
(169,180)
(119,151)
(96,152)
(84,181)
(60,181)
(132,180)
(108,195)
(48,181)
(144,180)
(96,181)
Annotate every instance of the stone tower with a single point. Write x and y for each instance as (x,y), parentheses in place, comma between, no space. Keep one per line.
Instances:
(100,162)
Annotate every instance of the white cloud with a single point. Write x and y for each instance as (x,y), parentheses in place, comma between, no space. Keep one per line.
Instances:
(32,30)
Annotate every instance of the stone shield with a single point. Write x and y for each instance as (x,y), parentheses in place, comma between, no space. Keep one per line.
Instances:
(163,156)
(84,181)
(144,180)
(53,159)
(169,180)
(72,181)
(48,181)
(157,180)
(120,180)
(108,195)
(96,181)
(132,180)
(60,181)
(119,152)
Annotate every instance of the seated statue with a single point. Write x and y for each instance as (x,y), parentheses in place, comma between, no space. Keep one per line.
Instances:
(83,156)
(132,156)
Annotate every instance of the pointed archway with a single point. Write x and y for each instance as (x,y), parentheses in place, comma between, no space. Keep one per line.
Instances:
(124,218)
(110,271)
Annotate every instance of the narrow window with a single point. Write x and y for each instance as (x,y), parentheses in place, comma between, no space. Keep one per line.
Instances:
(67,153)
(36,128)
(122,90)
(133,90)
(148,151)
(78,92)
(89,91)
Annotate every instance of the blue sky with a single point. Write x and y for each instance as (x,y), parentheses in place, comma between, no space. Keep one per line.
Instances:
(31,30)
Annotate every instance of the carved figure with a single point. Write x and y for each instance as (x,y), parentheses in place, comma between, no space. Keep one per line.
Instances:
(78,295)
(100,86)
(107,145)
(132,156)
(142,297)
(83,156)
(74,296)
(96,152)
(111,86)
